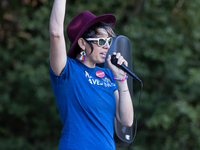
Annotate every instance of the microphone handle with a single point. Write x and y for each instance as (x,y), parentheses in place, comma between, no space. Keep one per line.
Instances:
(124,68)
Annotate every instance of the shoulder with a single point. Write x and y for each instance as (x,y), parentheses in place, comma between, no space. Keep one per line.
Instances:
(70,60)
(66,73)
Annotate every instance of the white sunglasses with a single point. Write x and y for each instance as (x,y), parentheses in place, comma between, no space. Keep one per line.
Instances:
(101,41)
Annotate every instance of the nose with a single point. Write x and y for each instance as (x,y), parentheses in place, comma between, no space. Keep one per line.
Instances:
(107,46)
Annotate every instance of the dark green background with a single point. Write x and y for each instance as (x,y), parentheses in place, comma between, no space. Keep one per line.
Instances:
(165,38)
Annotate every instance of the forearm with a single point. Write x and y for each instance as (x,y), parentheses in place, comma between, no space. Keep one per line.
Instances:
(57,17)
(125,106)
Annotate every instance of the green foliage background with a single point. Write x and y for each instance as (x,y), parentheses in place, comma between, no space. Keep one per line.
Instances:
(165,38)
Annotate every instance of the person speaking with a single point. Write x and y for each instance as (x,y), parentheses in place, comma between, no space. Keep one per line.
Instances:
(88,97)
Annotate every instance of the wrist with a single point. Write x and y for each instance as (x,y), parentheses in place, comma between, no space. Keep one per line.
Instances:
(121,79)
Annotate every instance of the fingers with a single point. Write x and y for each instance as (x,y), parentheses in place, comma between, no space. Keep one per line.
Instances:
(109,59)
(120,58)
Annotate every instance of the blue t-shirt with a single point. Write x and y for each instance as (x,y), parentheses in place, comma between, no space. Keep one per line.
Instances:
(86,105)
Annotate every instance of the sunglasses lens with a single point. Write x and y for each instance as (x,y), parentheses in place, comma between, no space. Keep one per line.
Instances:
(102,42)
(110,41)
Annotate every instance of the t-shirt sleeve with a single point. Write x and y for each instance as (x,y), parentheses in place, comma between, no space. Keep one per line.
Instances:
(66,73)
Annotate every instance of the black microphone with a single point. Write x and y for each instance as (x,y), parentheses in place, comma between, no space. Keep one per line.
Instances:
(124,68)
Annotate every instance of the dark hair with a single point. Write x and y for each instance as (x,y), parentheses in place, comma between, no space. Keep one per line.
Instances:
(90,32)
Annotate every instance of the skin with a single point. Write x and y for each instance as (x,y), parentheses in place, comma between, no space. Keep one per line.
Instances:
(124,109)
(99,53)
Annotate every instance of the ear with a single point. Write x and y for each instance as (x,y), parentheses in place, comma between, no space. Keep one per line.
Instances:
(82,43)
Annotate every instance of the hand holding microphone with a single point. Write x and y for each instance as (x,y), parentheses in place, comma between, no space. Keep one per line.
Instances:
(123,67)
(118,72)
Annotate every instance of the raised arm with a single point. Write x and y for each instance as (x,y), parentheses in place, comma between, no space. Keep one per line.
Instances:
(57,52)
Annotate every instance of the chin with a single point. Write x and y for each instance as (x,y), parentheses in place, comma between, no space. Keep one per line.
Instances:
(102,61)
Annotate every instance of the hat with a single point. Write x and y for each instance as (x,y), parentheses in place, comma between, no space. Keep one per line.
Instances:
(81,23)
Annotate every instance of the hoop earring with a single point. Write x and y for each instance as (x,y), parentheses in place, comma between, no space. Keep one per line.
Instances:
(82,56)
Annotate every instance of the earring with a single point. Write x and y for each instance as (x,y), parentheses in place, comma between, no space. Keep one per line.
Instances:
(82,56)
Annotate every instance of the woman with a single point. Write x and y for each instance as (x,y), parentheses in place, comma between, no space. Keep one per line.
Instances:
(88,97)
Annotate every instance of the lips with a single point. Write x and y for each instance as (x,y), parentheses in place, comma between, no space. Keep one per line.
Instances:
(103,54)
